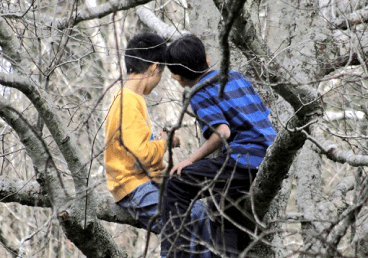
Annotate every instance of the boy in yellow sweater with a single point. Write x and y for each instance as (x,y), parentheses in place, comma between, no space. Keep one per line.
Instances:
(133,156)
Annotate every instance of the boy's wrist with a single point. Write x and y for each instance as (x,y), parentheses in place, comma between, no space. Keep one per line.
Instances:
(191,159)
(164,136)
(164,143)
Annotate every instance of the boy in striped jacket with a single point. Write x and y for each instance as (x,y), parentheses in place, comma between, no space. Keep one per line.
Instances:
(240,118)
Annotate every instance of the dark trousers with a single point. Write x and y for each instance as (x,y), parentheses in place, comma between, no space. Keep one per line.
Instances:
(205,176)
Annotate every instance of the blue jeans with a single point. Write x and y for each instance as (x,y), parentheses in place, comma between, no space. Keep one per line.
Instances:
(142,205)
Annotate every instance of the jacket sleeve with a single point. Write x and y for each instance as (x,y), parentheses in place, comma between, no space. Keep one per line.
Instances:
(136,138)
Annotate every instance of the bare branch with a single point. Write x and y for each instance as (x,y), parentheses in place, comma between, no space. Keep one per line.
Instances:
(332,151)
(15,81)
(276,164)
(235,9)
(347,157)
(46,171)
(357,17)
(162,29)
(342,188)
(57,127)
(10,45)
(22,192)
(79,223)
(30,193)
(85,14)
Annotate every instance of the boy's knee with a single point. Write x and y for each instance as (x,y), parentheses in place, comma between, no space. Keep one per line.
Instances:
(199,210)
(173,183)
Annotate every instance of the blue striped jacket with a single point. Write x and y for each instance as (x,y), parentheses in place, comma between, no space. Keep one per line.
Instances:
(243,111)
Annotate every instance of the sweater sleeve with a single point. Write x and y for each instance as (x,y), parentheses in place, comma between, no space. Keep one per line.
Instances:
(136,138)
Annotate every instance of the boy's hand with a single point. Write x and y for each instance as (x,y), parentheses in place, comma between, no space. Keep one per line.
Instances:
(178,167)
(164,135)
(175,141)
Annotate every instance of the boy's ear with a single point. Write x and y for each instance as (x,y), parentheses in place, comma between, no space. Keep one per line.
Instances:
(208,60)
(153,67)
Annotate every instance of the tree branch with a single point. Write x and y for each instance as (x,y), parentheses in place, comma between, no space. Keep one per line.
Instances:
(76,225)
(45,169)
(22,192)
(162,29)
(65,140)
(84,14)
(11,48)
(332,151)
(30,194)
(247,37)
(235,10)
(109,210)
(273,169)
(357,17)
(245,34)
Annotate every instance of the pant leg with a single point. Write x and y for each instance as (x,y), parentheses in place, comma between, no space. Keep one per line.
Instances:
(142,204)
(201,231)
(180,190)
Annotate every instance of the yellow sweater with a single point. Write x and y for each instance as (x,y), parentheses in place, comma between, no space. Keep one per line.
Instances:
(123,171)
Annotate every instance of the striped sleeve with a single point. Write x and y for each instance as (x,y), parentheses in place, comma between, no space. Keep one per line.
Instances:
(208,112)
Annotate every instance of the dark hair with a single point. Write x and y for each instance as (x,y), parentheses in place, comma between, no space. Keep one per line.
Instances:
(190,54)
(143,50)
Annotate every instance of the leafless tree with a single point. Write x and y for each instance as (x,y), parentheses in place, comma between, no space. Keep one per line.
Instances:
(61,61)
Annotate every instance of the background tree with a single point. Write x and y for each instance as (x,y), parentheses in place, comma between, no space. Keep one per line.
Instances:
(62,61)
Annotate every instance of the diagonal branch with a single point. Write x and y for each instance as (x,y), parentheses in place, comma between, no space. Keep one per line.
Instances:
(46,171)
(76,225)
(162,29)
(65,140)
(273,169)
(247,37)
(10,45)
(332,151)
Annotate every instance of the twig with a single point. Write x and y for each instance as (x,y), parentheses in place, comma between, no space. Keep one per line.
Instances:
(21,248)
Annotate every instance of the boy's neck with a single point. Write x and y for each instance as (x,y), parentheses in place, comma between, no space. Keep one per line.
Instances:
(195,81)
(136,83)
